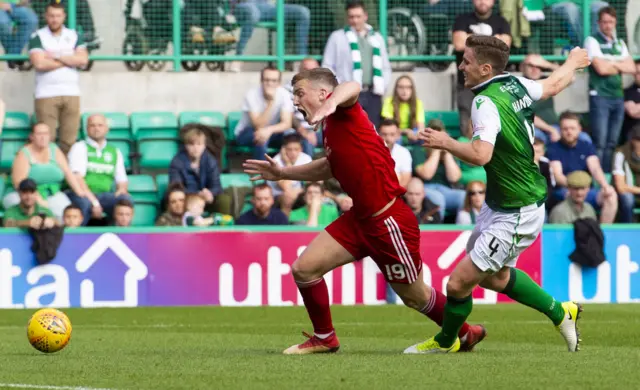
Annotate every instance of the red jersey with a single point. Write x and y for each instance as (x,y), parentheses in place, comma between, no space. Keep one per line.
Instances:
(360,160)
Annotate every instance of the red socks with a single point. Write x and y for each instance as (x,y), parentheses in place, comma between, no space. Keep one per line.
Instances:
(316,299)
(435,310)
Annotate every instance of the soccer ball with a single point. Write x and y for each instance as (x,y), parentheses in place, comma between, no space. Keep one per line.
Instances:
(49,330)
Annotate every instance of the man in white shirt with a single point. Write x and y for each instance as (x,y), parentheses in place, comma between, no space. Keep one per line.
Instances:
(97,166)
(56,52)
(390,133)
(267,114)
(286,192)
(358,53)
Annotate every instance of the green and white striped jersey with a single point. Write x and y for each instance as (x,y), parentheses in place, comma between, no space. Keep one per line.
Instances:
(502,115)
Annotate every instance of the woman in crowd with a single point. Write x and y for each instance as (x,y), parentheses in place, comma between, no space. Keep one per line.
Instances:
(175,206)
(42,160)
(472,203)
(405,107)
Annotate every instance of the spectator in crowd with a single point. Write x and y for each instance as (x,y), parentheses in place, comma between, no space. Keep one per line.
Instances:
(439,171)
(574,206)
(315,212)
(609,60)
(197,170)
(193,216)
(56,52)
(626,174)
(250,12)
(571,12)
(425,211)
(18,12)
(286,192)
(97,166)
(405,108)
(29,213)
(263,212)
(42,161)
(572,154)
(175,206)
(310,137)
(266,114)
(123,213)
(473,202)
(72,216)
(631,107)
(390,133)
(482,21)
(358,53)
(333,191)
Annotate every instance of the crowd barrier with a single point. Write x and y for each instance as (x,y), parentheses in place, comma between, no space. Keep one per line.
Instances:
(252,267)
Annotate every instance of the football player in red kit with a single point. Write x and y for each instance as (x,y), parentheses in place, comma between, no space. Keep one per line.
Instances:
(379,225)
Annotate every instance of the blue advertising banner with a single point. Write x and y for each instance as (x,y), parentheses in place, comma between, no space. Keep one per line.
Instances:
(617,280)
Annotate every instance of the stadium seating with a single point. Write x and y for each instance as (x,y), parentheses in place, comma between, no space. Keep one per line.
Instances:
(162,182)
(157,136)
(10,148)
(235,180)
(451,120)
(144,214)
(143,189)
(209,118)
(16,126)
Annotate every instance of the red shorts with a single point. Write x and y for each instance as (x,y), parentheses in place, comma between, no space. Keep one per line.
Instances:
(392,239)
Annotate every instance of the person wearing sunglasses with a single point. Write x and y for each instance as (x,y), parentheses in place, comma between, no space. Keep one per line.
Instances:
(472,203)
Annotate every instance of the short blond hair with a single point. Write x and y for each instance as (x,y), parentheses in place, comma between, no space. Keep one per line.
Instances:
(193,199)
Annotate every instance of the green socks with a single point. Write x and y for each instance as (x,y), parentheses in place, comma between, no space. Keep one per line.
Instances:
(456,311)
(524,290)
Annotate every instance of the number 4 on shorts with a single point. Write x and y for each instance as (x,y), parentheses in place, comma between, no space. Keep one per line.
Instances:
(493,245)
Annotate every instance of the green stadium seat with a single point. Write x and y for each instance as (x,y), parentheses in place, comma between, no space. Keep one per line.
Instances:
(247,206)
(143,189)
(119,126)
(209,118)
(125,148)
(9,150)
(157,154)
(162,182)
(232,120)
(144,214)
(235,180)
(16,126)
(154,125)
(451,120)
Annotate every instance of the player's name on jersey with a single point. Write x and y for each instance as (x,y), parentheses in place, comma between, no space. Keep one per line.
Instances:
(522,103)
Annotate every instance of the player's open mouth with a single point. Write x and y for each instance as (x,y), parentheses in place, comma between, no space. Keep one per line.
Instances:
(303,112)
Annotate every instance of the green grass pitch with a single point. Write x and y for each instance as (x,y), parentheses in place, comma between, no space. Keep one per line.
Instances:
(229,348)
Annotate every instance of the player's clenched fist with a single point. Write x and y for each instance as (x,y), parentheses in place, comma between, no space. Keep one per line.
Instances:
(266,170)
(579,57)
(433,138)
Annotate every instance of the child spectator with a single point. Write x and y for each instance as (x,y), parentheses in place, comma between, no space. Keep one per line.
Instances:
(286,192)
(473,202)
(72,216)
(123,213)
(405,108)
(194,205)
(29,213)
(315,212)
(197,170)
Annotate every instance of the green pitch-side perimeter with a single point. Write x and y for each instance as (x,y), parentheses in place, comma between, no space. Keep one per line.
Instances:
(229,348)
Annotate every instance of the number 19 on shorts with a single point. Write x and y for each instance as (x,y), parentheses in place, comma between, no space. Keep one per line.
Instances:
(395,272)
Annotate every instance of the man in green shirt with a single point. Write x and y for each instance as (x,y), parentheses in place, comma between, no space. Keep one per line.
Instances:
(610,58)
(315,212)
(29,214)
(513,214)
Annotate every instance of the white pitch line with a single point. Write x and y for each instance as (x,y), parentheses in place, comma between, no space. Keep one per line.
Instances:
(28,386)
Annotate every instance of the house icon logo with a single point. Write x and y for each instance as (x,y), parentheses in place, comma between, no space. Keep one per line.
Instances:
(136,271)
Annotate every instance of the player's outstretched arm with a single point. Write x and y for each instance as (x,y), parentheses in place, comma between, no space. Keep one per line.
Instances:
(477,152)
(563,76)
(344,95)
(269,170)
